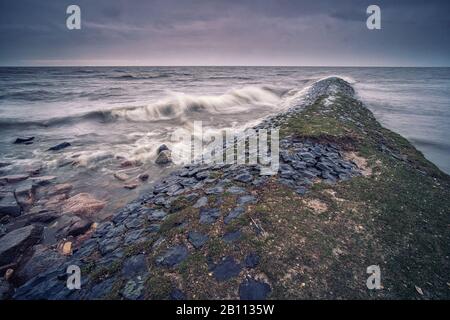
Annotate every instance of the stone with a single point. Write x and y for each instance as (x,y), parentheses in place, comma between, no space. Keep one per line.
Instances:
(164,158)
(134,265)
(214,190)
(60,146)
(130,186)
(243,200)
(232,236)
(25,195)
(13,178)
(202,175)
(161,148)
(173,256)
(209,216)
(121,176)
(9,205)
(156,215)
(251,289)
(235,213)
(235,190)
(4,289)
(43,180)
(23,140)
(226,269)
(177,294)
(79,227)
(62,188)
(133,289)
(67,248)
(244,177)
(251,260)
(83,204)
(14,243)
(197,239)
(201,202)
(143,177)
(301,191)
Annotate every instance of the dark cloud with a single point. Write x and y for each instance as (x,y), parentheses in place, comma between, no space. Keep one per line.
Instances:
(265,32)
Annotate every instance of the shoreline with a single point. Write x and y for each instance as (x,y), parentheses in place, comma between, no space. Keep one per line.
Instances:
(215,234)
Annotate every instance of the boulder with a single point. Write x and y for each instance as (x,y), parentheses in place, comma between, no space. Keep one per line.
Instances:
(14,243)
(164,157)
(121,176)
(162,148)
(143,177)
(83,204)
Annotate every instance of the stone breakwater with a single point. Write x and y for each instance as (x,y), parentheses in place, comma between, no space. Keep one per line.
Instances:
(124,254)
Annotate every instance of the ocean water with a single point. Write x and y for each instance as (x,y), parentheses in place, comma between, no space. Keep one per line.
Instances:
(112,114)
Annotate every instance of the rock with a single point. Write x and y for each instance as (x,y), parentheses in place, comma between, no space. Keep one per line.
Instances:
(4,289)
(251,289)
(162,148)
(143,177)
(4,164)
(197,239)
(235,213)
(43,180)
(83,204)
(62,188)
(164,157)
(8,274)
(173,256)
(177,294)
(243,200)
(127,164)
(244,177)
(14,178)
(24,195)
(66,248)
(301,190)
(156,215)
(214,190)
(121,176)
(79,227)
(130,186)
(202,175)
(232,236)
(23,140)
(60,146)
(134,265)
(226,269)
(251,260)
(14,243)
(201,202)
(133,289)
(236,190)
(9,205)
(208,216)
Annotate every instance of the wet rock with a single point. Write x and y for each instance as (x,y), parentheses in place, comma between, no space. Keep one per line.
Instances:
(24,140)
(5,289)
(143,177)
(197,239)
(43,180)
(121,176)
(244,177)
(9,205)
(25,195)
(4,164)
(214,190)
(131,186)
(153,215)
(79,227)
(173,256)
(135,265)
(62,188)
(232,236)
(60,146)
(83,204)
(251,260)
(251,289)
(164,158)
(201,202)
(235,213)
(209,216)
(226,269)
(202,175)
(162,148)
(14,243)
(13,178)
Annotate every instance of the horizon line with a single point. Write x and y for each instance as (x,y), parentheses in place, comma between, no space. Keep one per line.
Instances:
(230,66)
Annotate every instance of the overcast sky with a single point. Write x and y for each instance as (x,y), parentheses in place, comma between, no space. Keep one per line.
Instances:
(225,32)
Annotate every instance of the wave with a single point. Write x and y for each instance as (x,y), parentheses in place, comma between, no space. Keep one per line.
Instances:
(176,106)
(139,77)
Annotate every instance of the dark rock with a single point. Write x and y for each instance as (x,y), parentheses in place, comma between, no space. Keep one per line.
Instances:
(60,146)
(133,289)
(232,236)
(173,256)
(4,164)
(14,243)
(40,261)
(135,265)
(134,237)
(164,158)
(202,175)
(43,180)
(301,190)
(235,213)
(161,148)
(197,239)
(208,216)
(13,178)
(79,227)
(143,177)
(214,190)
(236,190)
(177,294)
(9,205)
(251,260)
(23,140)
(244,177)
(251,289)
(5,289)
(226,269)
(153,215)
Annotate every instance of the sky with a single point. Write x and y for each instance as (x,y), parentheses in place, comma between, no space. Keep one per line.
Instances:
(225,32)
